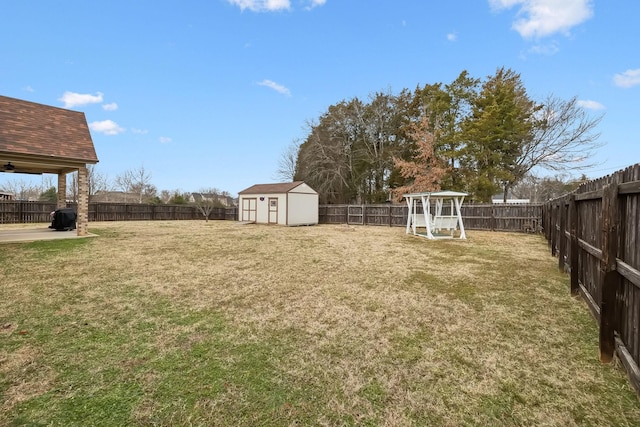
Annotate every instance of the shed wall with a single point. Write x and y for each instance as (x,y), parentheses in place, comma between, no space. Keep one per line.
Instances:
(262,212)
(303,208)
(246,208)
(262,207)
(303,188)
(282,207)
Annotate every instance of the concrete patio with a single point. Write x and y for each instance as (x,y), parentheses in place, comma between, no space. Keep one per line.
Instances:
(35,232)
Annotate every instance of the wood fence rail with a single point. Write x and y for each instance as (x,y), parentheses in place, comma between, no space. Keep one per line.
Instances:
(594,232)
(18,212)
(516,217)
(521,218)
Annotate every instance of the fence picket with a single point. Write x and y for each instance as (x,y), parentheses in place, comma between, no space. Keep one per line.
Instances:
(604,259)
(23,212)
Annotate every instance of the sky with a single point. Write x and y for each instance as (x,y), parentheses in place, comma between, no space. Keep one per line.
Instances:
(210,93)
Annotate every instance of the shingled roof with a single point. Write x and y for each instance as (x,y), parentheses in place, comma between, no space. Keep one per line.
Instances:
(39,138)
(282,187)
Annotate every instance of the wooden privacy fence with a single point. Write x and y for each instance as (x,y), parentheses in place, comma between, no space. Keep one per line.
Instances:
(17,212)
(594,232)
(503,217)
(525,218)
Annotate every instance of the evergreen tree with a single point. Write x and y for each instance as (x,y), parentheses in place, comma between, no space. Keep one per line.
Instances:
(500,125)
(49,195)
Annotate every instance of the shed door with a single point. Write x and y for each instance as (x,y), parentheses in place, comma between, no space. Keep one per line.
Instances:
(273,210)
(249,209)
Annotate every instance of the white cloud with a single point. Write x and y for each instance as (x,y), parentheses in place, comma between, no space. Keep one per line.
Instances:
(29,89)
(452,37)
(590,105)
(627,79)
(262,5)
(316,3)
(110,107)
(275,86)
(273,5)
(541,18)
(139,131)
(72,99)
(165,139)
(108,127)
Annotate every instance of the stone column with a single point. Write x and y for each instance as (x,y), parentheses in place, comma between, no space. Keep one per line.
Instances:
(82,219)
(62,191)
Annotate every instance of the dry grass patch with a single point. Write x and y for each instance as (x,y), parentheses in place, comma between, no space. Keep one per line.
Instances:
(194,323)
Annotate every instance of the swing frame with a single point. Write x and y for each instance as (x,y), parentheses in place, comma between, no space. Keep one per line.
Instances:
(433,220)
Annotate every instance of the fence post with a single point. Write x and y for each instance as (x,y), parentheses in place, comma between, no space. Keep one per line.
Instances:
(552,223)
(547,221)
(562,238)
(573,227)
(609,277)
(493,219)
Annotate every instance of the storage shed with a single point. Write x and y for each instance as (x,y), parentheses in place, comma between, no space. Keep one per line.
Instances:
(286,203)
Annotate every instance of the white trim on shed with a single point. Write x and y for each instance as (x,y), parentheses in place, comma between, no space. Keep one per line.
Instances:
(287,203)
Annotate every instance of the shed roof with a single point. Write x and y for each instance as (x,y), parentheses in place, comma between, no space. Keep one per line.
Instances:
(282,187)
(39,138)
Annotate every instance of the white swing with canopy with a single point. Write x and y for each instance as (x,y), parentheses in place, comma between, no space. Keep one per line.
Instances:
(442,221)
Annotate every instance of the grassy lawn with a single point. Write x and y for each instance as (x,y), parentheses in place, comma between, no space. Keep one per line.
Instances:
(222,324)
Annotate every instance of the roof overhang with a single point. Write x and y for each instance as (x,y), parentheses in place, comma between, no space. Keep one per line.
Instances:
(37,138)
(31,164)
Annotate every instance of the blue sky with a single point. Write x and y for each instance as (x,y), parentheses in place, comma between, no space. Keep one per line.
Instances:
(210,93)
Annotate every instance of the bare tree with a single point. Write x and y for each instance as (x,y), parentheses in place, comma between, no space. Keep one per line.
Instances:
(206,200)
(72,187)
(287,162)
(47,182)
(326,158)
(95,180)
(165,196)
(379,128)
(540,189)
(348,153)
(21,189)
(563,138)
(136,181)
(124,182)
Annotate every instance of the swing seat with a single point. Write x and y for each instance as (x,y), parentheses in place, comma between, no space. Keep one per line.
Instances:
(445,223)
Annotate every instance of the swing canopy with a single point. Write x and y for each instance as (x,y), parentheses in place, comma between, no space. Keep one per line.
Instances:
(435,215)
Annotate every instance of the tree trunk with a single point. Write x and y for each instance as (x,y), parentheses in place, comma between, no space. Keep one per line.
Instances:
(505,194)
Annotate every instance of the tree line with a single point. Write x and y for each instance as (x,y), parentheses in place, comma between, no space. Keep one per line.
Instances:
(131,186)
(481,136)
